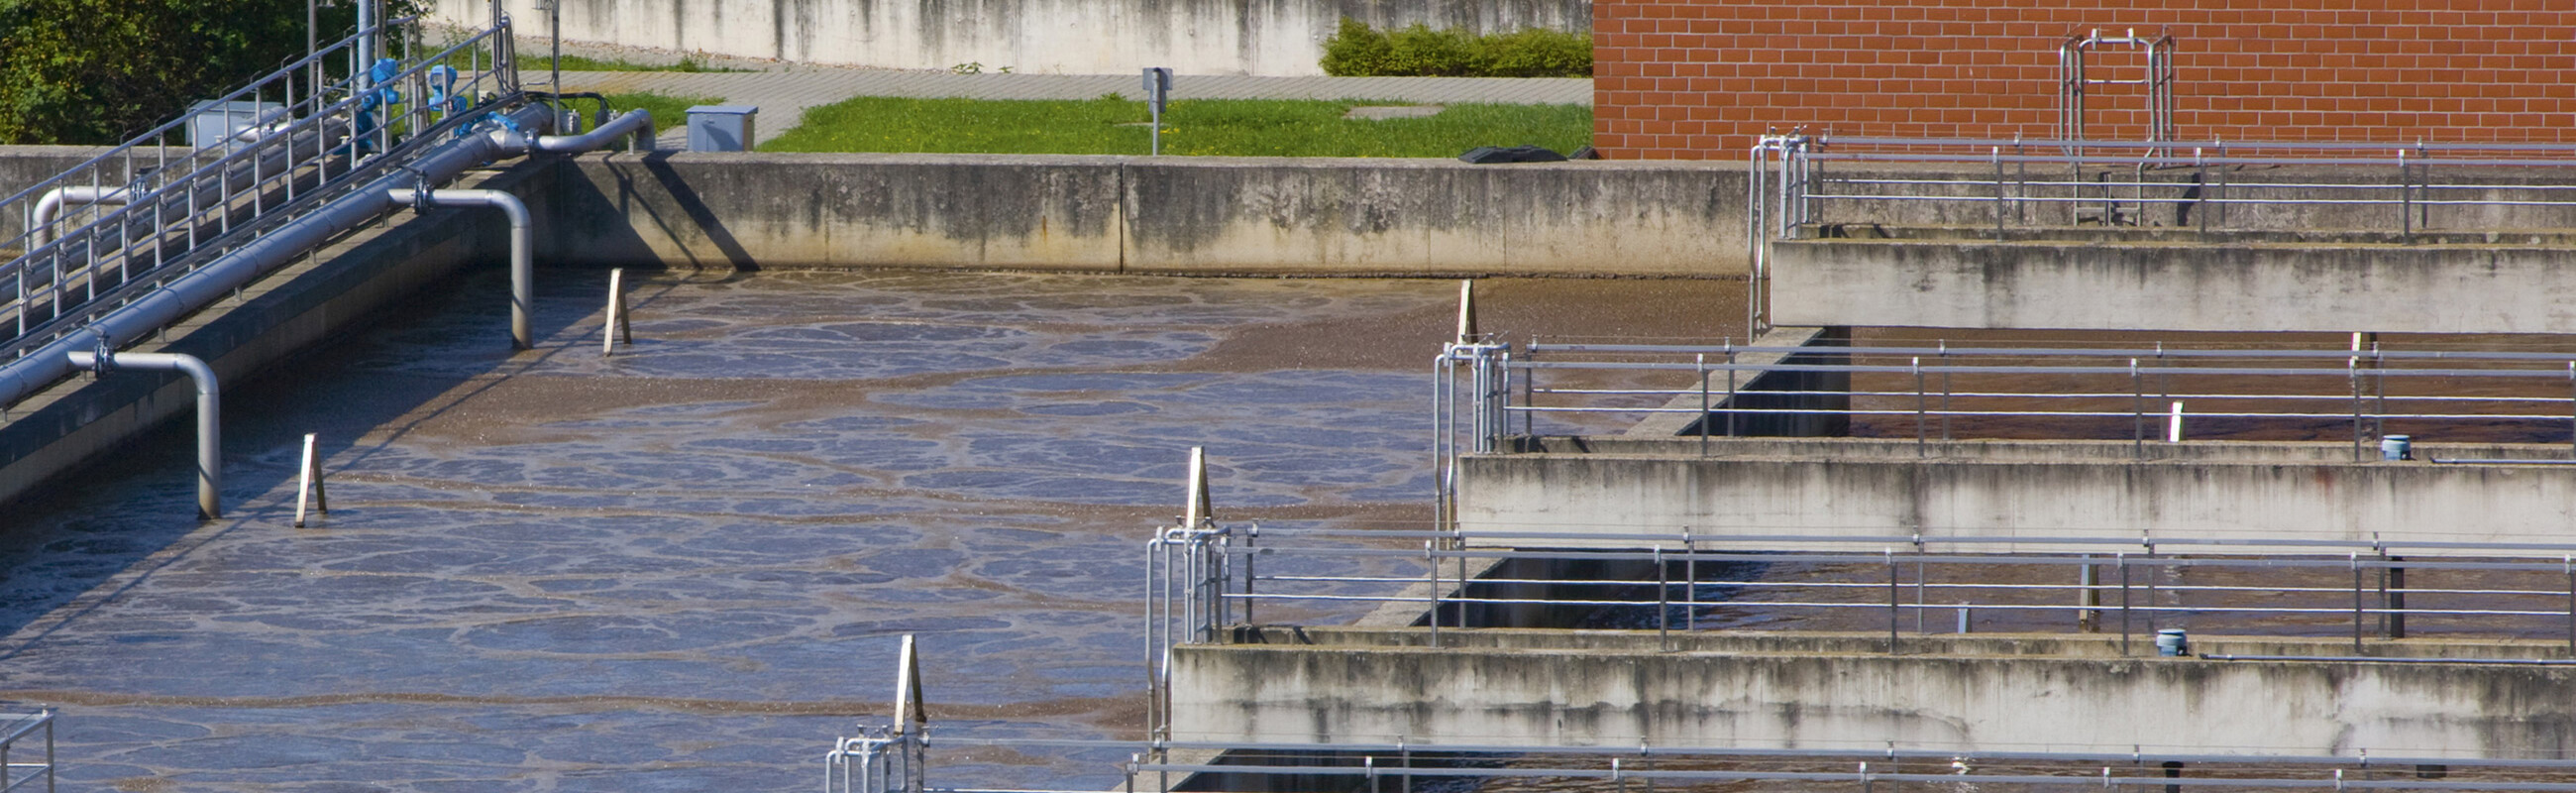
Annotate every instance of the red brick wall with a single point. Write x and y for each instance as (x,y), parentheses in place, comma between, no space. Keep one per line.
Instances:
(1697,79)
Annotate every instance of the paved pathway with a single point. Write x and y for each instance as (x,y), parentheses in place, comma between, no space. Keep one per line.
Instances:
(783,96)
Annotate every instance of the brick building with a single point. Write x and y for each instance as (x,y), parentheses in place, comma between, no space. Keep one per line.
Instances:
(1698,79)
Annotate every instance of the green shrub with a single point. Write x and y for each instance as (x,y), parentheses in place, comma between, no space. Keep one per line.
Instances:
(1357,50)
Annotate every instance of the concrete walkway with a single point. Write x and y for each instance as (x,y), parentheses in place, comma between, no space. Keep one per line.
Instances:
(783,96)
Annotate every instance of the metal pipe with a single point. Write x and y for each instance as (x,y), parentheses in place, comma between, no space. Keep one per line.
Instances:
(152,310)
(210,442)
(522,269)
(637,122)
(41,226)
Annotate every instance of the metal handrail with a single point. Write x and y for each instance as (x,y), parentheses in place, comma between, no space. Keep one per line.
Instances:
(1679,566)
(2371,386)
(326,138)
(15,774)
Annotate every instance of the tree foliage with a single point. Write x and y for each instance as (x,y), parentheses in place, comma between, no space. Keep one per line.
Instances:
(1357,50)
(100,71)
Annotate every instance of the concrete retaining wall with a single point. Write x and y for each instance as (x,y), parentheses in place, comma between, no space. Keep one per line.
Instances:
(1030,36)
(1875,489)
(1275,216)
(1966,695)
(24,166)
(2242,287)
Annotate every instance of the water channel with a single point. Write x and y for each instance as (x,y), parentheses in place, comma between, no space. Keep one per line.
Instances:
(688,566)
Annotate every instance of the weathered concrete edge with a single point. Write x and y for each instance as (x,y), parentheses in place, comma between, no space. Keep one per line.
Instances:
(1870,489)
(1623,690)
(2097,285)
(79,421)
(1302,217)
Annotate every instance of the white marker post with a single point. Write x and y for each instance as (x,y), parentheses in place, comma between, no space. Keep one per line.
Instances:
(616,331)
(308,485)
(2173,424)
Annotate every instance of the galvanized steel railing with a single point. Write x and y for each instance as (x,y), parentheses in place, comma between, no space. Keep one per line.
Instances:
(149,208)
(2368,592)
(15,771)
(2144,395)
(1801,184)
(1405,765)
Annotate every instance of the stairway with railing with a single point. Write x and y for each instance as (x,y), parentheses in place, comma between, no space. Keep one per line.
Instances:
(95,239)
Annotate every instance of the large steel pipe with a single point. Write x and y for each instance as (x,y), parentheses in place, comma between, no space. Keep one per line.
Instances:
(210,408)
(522,270)
(171,301)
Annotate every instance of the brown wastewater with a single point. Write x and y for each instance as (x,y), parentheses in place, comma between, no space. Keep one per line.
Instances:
(688,566)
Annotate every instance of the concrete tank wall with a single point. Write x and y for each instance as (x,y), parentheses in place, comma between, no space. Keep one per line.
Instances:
(1996,694)
(1871,490)
(2163,286)
(1280,216)
(1277,37)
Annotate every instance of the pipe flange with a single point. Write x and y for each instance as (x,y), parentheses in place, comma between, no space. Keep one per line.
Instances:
(103,360)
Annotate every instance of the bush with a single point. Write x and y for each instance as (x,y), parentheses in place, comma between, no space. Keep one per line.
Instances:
(97,71)
(1357,50)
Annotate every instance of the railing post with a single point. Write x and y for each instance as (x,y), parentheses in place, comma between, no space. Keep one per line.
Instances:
(2356,604)
(1920,424)
(2138,413)
(2405,198)
(2392,597)
(1433,562)
(1700,364)
(1734,401)
(2088,599)
(1998,157)
(1690,581)
(2122,561)
(1891,601)
(1663,604)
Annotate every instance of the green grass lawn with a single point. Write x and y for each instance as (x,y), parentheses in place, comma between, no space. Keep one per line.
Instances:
(538,62)
(1210,127)
(669,112)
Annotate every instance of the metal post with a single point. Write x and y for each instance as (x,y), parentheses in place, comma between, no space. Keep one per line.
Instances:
(2088,600)
(2122,561)
(1433,562)
(1663,603)
(1945,390)
(2352,371)
(1733,403)
(1700,361)
(2138,419)
(1891,601)
(1998,157)
(2392,595)
(1690,580)
(1920,450)
(2405,198)
(2356,604)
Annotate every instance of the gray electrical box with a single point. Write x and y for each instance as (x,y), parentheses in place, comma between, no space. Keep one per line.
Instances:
(721,127)
(211,123)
